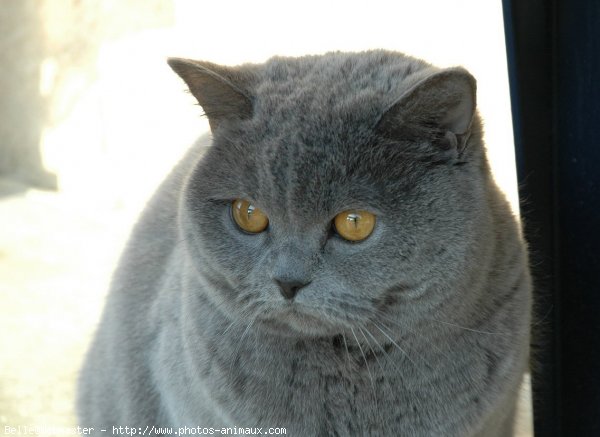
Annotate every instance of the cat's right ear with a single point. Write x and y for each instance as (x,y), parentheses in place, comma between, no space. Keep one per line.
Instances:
(439,108)
(217,89)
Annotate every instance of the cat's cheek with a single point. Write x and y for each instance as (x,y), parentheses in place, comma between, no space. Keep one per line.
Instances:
(216,239)
(355,262)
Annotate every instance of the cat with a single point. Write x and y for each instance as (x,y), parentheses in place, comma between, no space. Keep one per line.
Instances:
(333,259)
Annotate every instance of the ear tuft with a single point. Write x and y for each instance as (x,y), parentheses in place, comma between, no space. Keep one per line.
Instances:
(219,90)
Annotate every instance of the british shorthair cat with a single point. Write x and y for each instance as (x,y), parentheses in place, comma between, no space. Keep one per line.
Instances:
(337,262)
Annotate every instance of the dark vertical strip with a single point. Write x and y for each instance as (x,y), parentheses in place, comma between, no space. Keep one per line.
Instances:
(554,57)
(513,74)
(529,28)
(578,129)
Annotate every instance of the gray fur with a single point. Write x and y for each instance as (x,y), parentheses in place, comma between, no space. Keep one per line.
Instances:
(420,330)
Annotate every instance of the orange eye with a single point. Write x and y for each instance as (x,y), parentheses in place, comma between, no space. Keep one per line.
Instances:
(354,224)
(248,217)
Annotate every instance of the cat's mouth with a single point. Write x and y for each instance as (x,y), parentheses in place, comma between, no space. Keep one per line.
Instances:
(293,320)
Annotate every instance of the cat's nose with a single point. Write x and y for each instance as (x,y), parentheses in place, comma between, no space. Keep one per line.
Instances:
(289,289)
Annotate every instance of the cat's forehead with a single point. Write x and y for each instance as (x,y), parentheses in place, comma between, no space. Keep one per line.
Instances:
(310,144)
(338,88)
(310,173)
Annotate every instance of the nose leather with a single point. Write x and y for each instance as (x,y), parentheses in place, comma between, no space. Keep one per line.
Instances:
(289,289)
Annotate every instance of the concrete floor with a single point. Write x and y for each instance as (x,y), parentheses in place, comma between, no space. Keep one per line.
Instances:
(55,264)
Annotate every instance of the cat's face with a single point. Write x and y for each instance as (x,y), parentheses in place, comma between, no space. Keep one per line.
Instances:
(303,153)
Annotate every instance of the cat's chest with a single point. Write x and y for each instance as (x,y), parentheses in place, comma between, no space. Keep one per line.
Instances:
(313,388)
(319,390)
(233,376)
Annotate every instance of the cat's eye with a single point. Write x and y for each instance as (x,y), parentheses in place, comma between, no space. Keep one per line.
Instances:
(248,217)
(354,224)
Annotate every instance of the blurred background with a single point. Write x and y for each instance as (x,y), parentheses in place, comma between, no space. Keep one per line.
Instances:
(92,119)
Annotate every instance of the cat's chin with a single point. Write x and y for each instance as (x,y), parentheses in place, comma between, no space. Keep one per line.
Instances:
(297,324)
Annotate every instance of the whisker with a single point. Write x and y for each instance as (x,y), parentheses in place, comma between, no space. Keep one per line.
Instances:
(239,345)
(383,350)
(399,348)
(229,326)
(244,312)
(372,351)
(346,346)
(542,320)
(432,345)
(380,313)
(413,331)
(465,328)
(366,364)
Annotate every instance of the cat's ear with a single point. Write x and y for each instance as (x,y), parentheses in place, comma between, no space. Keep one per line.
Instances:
(219,90)
(439,108)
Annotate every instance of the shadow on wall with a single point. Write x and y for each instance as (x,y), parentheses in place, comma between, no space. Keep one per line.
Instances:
(48,53)
(23,111)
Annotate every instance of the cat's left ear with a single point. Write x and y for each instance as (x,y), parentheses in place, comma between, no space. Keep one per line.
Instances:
(219,90)
(439,108)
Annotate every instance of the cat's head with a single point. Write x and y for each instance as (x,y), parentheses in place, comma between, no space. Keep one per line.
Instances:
(385,146)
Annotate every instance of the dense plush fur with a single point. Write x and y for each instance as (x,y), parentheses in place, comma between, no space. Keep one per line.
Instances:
(422,329)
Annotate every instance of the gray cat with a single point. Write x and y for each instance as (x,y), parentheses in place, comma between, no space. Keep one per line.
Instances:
(338,262)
